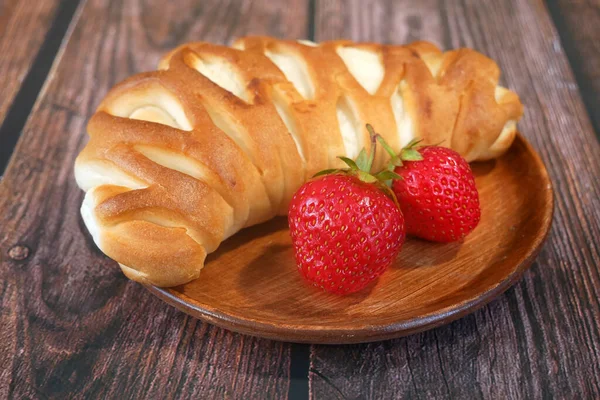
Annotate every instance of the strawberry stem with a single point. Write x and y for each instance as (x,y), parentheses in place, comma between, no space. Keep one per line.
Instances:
(361,167)
(373,137)
(395,161)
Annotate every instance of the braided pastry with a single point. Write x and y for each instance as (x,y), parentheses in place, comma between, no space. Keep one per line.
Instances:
(220,138)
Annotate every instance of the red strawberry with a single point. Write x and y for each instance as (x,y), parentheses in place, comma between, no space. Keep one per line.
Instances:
(437,194)
(345,230)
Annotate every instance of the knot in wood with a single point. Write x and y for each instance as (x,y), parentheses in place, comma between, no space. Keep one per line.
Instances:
(18,252)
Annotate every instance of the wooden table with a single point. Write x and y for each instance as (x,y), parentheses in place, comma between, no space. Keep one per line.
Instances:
(71,325)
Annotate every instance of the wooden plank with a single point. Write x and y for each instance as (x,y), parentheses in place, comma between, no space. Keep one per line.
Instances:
(32,76)
(72,326)
(23,25)
(578,23)
(542,338)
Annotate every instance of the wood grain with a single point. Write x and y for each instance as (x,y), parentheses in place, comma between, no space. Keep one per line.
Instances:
(23,25)
(541,339)
(578,23)
(71,325)
(251,284)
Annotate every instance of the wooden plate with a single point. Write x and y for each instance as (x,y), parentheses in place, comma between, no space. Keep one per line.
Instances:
(251,285)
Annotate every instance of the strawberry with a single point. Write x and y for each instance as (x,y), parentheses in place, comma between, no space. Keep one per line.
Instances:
(437,193)
(346,226)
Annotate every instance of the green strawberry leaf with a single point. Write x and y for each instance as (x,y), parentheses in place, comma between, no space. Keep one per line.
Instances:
(387,175)
(393,163)
(396,162)
(361,167)
(362,161)
(349,162)
(366,177)
(325,172)
(413,143)
(409,154)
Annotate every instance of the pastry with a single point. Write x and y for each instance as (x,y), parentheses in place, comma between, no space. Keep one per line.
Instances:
(219,138)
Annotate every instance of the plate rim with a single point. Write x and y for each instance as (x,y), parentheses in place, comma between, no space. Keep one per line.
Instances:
(322,335)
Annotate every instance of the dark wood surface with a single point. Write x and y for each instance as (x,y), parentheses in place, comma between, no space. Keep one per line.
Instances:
(578,24)
(23,25)
(541,339)
(28,43)
(71,326)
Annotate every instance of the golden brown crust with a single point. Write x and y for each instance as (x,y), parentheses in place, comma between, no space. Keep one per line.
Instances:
(220,138)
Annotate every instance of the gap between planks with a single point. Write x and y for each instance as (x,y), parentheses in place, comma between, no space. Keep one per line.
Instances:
(591,99)
(34,81)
